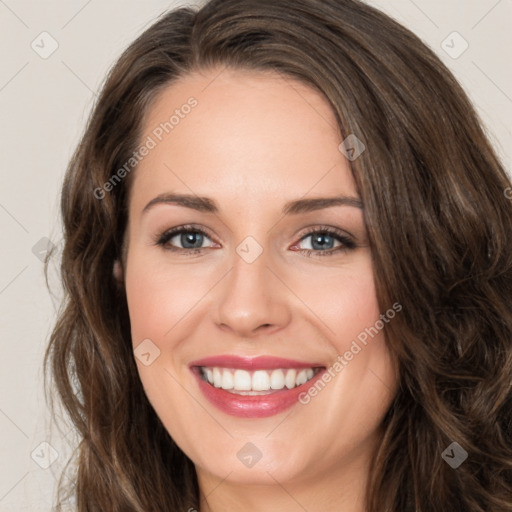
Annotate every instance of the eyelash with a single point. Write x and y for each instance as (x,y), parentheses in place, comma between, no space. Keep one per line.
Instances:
(347,243)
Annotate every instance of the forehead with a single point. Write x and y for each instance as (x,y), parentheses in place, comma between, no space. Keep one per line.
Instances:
(246,133)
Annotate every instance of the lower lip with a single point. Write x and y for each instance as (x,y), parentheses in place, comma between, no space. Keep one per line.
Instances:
(253,406)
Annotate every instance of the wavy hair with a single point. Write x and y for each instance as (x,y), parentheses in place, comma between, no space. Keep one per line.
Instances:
(440,230)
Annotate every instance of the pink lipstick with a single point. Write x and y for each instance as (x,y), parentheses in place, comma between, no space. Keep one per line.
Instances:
(254,387)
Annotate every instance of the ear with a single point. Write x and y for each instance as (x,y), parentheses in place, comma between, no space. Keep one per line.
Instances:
(117,271)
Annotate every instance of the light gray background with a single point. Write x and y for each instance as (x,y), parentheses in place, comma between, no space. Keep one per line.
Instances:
(44,104)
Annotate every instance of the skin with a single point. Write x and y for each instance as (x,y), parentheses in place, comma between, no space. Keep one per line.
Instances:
(255,141)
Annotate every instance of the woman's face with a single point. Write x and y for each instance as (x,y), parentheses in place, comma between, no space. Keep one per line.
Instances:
(254,296)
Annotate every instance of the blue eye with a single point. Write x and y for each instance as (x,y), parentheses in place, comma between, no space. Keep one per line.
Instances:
(323,240)
(190,241)
(190,238)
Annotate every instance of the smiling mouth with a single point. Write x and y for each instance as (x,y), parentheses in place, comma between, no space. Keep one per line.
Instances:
(254,387)
(258,382)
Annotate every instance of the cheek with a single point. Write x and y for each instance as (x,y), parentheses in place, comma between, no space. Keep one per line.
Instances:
(344,302)
(160,297)
(161,301)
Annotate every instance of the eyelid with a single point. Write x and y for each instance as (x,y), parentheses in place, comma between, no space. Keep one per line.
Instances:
(325,228)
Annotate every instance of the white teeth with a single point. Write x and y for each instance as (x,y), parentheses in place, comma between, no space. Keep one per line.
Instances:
(259,380)
(217,378)
(277,379)
(289,380)
(242,380)
(301,377)
(227,380)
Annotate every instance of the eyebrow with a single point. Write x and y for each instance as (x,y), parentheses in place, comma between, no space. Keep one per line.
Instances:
(207,205)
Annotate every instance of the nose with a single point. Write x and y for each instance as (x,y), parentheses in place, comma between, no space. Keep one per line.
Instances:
(252,299)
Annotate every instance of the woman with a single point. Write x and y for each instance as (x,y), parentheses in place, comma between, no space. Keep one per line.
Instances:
(288,264)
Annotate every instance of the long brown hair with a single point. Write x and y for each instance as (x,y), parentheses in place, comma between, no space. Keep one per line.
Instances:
(440,229)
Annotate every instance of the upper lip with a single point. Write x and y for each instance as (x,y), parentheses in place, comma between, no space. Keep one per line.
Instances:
(252,363)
